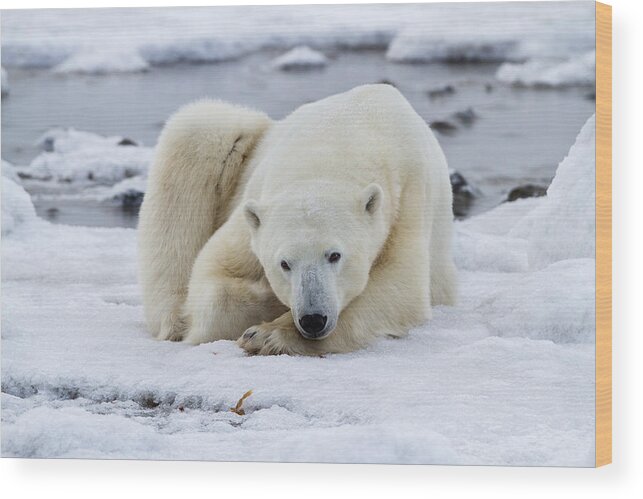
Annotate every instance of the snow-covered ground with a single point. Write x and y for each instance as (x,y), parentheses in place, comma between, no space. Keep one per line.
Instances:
(505,377)
(101,40)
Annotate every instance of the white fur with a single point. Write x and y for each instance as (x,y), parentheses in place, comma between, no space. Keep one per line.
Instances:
(358,174)
(198,164)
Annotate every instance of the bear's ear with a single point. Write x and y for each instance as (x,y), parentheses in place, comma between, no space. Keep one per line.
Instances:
(251,211)
(372,198)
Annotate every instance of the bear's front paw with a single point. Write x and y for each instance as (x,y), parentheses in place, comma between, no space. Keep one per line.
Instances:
(264,340)
(276,338)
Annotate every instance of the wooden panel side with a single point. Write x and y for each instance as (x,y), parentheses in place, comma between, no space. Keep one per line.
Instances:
(603,234)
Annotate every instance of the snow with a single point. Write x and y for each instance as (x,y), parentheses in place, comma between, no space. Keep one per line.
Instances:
(83,157)
(17,208)
(302,57)
(479,251)
(10,171)
(128,186)
(418,46)
(94,62)
(547,309)
(506,377)
(93,41)
(580,70)
(495,32)
(530,234)
(563,226)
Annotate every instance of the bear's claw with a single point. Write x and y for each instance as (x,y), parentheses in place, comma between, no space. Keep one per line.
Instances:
(273,338)
(261,340)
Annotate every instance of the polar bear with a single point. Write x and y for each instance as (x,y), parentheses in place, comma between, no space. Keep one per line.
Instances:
(315,234)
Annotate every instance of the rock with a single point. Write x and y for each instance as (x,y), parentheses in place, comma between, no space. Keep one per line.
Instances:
(439,92)
(47,144)
(130,200)
(463,194)
(52,213)
(466,117)
(26,176)
(5,83)
(444,127)
(448,127)
(127,142)
(386,82)
(526,191)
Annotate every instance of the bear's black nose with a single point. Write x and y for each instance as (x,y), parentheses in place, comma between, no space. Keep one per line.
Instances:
(313,324)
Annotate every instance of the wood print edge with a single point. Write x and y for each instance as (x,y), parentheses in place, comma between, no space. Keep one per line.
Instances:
(603,234)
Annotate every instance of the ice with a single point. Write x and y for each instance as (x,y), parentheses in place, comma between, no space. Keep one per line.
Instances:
(98,62)
(101,41)
(300,58)
(579,70)
(83,157)
(506,377)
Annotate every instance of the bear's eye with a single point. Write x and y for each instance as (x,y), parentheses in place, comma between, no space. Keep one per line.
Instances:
(284,265)
(334,257)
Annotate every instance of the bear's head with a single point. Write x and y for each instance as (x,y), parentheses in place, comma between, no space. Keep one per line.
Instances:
(317,248)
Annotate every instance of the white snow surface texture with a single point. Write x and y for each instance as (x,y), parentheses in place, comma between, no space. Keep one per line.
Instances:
(505,378)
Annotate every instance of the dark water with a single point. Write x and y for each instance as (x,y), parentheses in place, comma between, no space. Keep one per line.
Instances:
(520,135)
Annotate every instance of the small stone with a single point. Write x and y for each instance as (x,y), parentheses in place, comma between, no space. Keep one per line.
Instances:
(443,126)
(48,144)
(127,142)
(52,212)
(387,82)
(130,199)
(439,92)
(526,191)
(463,194)
(466,117)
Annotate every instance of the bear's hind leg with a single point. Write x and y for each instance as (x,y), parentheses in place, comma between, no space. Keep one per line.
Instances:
(197,170)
